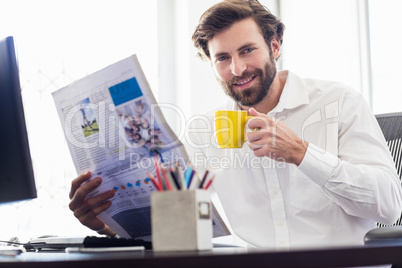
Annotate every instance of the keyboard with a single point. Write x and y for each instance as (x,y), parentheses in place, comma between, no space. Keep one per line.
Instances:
(96,241)
(59,243)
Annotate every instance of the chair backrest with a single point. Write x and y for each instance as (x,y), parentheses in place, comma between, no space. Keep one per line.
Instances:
(391,126)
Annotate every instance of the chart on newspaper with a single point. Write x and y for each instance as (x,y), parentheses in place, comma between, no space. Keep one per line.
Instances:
(115,129)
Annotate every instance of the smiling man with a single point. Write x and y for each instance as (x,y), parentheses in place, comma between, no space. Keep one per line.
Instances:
(317,172)
(245,70)
(245,67)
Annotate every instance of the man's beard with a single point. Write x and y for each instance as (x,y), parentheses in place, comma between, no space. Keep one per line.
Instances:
(255,94)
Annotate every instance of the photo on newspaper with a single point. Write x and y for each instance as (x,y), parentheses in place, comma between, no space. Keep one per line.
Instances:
(115,128)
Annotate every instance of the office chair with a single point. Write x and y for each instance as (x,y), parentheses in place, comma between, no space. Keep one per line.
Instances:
(391,126)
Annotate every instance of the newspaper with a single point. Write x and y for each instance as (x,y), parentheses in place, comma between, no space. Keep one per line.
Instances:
(114,128)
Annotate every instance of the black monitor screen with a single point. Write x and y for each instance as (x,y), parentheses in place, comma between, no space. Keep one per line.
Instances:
(16,173)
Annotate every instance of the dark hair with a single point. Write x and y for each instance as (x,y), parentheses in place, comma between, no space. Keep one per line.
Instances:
(137,139)
(223,15)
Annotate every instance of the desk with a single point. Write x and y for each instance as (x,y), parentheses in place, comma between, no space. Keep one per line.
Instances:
(218,257)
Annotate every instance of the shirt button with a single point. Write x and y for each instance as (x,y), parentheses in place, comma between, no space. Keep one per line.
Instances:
(279,224)
(283,244)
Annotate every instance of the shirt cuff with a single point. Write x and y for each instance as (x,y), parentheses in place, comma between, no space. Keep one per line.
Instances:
(318,165)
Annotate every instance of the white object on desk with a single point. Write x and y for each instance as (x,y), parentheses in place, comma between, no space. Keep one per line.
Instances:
(11,250)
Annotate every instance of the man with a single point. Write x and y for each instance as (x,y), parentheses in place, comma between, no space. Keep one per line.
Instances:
(316,173)
(84,119)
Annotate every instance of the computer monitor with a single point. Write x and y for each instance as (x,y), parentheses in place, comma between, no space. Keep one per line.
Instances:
(16,173)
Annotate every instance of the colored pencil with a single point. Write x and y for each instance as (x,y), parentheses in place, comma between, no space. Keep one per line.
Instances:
(187,174)
(181,178)
(169,187)
(151,177)
(158,175)
(209,182)
(203,179)
(175,179)
(190,178)
(194,182)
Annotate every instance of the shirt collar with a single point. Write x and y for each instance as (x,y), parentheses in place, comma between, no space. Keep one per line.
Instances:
(294,94)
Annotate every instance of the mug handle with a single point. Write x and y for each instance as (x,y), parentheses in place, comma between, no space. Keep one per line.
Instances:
(247,118)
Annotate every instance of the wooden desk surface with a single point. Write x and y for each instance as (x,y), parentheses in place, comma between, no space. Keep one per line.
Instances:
(218,257)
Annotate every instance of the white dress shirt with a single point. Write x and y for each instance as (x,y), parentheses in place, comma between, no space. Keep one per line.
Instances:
(345,184)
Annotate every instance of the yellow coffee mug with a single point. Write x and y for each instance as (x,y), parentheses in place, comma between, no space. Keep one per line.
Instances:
(230,128)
